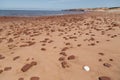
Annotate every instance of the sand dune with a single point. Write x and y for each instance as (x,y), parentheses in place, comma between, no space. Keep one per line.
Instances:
(58,47)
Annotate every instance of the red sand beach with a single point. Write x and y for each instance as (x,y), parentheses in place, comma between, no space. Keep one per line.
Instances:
(58,47)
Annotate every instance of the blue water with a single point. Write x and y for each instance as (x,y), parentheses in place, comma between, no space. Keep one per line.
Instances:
(35,12)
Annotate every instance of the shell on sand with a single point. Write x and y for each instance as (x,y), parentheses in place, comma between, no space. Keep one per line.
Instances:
(86,68)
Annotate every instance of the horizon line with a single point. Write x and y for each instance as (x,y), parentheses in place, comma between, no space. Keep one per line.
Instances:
(50,9)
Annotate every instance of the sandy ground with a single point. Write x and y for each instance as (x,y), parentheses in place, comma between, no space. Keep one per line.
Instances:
(58,47)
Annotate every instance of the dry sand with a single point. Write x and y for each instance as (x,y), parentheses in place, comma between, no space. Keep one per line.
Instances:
(58,47)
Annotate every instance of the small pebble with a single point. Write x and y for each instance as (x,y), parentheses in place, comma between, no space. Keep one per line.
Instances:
(1,57)
(61,59)
(107,65)
(43,49)
(110,59)
(15,58)
(64,64)
(63,53)
(100,60)
(34,78)
(7,68)
(21,79)
(101,54)
(1,71)
(71,57)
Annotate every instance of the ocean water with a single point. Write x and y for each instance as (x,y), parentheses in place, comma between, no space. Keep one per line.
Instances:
(35,12)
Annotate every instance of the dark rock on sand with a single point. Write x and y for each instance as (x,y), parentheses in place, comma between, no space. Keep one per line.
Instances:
(71,57)
(15,58)
(67,43)
(34,78)
(1,57)
(104,78)
(100,60)
(43,49)
(110,59)
(10,40)
(11,46)
(1,71)
(107,65)
(65,48)
(79,45)
(33,63)
(64,64)
(7,68)
(61,59)
(30,43)
(23,45)
(101,54)
(21,79)
(26,67)
(63,53)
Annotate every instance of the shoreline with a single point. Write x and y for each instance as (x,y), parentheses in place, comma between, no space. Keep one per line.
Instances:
(57,15)
(35,13)
(48,15)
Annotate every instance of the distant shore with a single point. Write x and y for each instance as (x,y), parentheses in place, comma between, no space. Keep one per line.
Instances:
(33,13)
(95,9)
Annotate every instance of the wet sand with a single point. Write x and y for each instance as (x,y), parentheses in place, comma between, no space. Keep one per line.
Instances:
(58,47)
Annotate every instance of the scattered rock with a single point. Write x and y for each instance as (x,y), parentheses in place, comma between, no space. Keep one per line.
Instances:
(26,67)
(79,45)
(61,59)
(31,43)
(1,57)
(71,57)
(24,45)
(64,64)
(101,54)
(1,30)
(63,53)
(54,47)
(107,65)
(97,41)
(21,79)
(7,68)
(100,60)
(110,59)
(102,32)
(33,63)
(65,48)
(15,58)
(92,44)
(10,40)
(11,46)
(107,40)
(34,78)
(12,53)
(43,49)
(67,43)
(1,71)
(27,59)
(104,78)
(43,44)
(50,41)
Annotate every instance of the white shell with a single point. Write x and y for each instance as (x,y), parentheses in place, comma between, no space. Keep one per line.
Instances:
(86,68)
